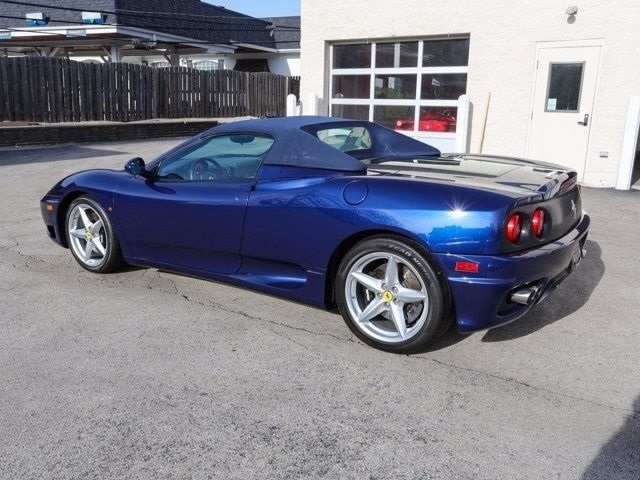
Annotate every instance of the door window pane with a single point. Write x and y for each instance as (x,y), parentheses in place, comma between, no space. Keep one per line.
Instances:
(437,119)
(446,53)
(351,86)
(397,55)
(395,86)
(565,80)
(356,112)
(394,116)
(443,87)
(352,56)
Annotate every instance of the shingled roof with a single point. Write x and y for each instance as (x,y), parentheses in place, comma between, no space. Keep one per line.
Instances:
(185,18)
(286,32)
(192,18)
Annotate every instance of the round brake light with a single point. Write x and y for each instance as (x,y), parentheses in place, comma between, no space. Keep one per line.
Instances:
(537,222)
(514,228)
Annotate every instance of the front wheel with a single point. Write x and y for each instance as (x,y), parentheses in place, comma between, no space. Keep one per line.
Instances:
(91,237)
(390,296)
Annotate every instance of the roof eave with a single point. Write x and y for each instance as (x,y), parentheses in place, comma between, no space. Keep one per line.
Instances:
(133,32)
(266,49)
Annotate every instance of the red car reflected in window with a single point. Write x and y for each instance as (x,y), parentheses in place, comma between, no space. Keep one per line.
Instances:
(430,121)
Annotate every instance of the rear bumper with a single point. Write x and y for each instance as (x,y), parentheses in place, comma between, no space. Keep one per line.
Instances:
(483,301)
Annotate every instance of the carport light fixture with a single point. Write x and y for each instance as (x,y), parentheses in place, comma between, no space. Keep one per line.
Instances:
(36,19)
(92,17)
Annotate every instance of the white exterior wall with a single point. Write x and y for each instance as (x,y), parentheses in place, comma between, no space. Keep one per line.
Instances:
(286,65)
(504,36)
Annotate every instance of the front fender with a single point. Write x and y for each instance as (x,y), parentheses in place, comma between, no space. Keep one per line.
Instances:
(98,184)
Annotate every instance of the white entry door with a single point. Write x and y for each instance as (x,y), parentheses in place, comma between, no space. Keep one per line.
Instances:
(564,92)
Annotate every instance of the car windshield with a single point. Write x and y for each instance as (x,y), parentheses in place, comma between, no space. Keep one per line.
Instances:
(216,158)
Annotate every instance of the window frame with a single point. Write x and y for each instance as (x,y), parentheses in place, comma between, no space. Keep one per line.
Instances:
(419,71)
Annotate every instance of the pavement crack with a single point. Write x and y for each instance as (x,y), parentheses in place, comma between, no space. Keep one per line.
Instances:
(634,413)
(211,304)
(172,282)
(287,337)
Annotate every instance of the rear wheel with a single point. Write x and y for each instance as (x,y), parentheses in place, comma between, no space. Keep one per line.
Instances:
(91,237)
(390,296)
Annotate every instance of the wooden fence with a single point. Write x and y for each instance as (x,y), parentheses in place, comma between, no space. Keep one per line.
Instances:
(41,89)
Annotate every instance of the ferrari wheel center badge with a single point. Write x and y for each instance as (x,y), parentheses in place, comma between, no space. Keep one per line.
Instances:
(387,296)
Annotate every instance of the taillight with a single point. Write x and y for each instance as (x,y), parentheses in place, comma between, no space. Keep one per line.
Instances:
(537,222)
(514,228)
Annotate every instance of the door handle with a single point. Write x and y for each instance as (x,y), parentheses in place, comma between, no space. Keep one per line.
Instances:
(584,122)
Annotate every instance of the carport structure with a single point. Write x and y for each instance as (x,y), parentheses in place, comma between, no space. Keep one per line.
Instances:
(112,30)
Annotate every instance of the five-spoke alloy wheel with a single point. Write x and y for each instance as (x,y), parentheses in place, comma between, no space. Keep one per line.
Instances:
(390,295)
(91,237)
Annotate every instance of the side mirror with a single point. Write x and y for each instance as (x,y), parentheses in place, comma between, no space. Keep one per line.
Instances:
(135,166)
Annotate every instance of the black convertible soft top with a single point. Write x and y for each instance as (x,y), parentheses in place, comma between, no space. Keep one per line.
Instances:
(297,143)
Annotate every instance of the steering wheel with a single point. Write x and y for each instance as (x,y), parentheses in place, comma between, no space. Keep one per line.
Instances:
(206,168)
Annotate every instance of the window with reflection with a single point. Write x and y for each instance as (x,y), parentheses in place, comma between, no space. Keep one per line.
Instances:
(443,86)
(446,53)
(437,119)
(222,157)
(397,55)
(395,86)
(410,85)
(356,112)
(352,56)
(351,86)
(393,116)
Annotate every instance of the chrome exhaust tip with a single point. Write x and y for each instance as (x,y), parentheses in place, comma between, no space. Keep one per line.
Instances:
(525,296)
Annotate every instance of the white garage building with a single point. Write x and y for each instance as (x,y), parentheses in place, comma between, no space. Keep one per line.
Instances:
(543,79)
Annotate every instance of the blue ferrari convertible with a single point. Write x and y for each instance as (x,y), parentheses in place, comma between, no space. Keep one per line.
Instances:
(402,239)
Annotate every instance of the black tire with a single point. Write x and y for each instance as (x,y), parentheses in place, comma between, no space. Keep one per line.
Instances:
(401,312)
(91,237)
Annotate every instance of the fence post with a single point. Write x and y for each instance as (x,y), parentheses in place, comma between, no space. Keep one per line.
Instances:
(292,103)
(462,125)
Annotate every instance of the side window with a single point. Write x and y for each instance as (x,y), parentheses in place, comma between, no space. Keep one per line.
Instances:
(346,139)
(234,156)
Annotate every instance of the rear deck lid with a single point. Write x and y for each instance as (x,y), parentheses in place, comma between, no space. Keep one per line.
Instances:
(534,181)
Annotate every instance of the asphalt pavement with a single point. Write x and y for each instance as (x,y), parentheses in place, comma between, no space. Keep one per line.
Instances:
(146,374)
